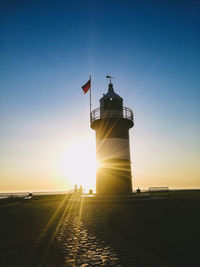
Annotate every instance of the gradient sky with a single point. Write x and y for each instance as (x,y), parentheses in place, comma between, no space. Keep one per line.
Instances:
(48,49)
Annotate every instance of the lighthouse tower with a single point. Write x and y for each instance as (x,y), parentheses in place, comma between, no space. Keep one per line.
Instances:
(112,122)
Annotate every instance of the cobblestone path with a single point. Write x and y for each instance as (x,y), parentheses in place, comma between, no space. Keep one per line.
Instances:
(85,240)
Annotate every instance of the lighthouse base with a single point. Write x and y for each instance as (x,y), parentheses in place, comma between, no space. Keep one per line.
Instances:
(114,178)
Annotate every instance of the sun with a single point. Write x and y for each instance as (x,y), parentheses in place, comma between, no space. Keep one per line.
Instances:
(77,164)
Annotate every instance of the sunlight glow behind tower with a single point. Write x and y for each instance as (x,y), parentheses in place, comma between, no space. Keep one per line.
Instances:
(78,165)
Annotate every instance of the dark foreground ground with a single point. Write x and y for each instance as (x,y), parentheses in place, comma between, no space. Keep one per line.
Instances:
(57,231)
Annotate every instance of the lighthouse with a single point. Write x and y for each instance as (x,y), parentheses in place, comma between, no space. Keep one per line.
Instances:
(111,122)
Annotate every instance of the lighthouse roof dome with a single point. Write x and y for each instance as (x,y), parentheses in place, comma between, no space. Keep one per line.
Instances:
(111,93)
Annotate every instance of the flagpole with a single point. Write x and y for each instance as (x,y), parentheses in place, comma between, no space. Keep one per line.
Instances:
(90,97)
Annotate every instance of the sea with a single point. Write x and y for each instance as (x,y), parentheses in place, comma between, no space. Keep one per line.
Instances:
(24,194)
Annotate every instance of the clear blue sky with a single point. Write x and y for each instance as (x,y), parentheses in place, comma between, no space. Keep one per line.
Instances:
(48,49)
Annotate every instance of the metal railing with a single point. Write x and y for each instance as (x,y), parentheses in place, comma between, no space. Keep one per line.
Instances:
(99,113)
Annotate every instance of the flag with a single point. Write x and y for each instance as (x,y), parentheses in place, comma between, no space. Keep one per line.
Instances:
(86,86)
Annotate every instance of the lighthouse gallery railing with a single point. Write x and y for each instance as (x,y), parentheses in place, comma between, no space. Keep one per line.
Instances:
(97,114)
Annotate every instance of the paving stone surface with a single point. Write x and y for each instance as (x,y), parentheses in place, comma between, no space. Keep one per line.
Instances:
(84,240)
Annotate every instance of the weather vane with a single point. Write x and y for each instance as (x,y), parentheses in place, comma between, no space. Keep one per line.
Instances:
(109,77)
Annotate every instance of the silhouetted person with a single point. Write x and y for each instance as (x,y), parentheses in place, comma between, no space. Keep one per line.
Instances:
(90,192)
(80,191)
(138,191)
(75,189)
